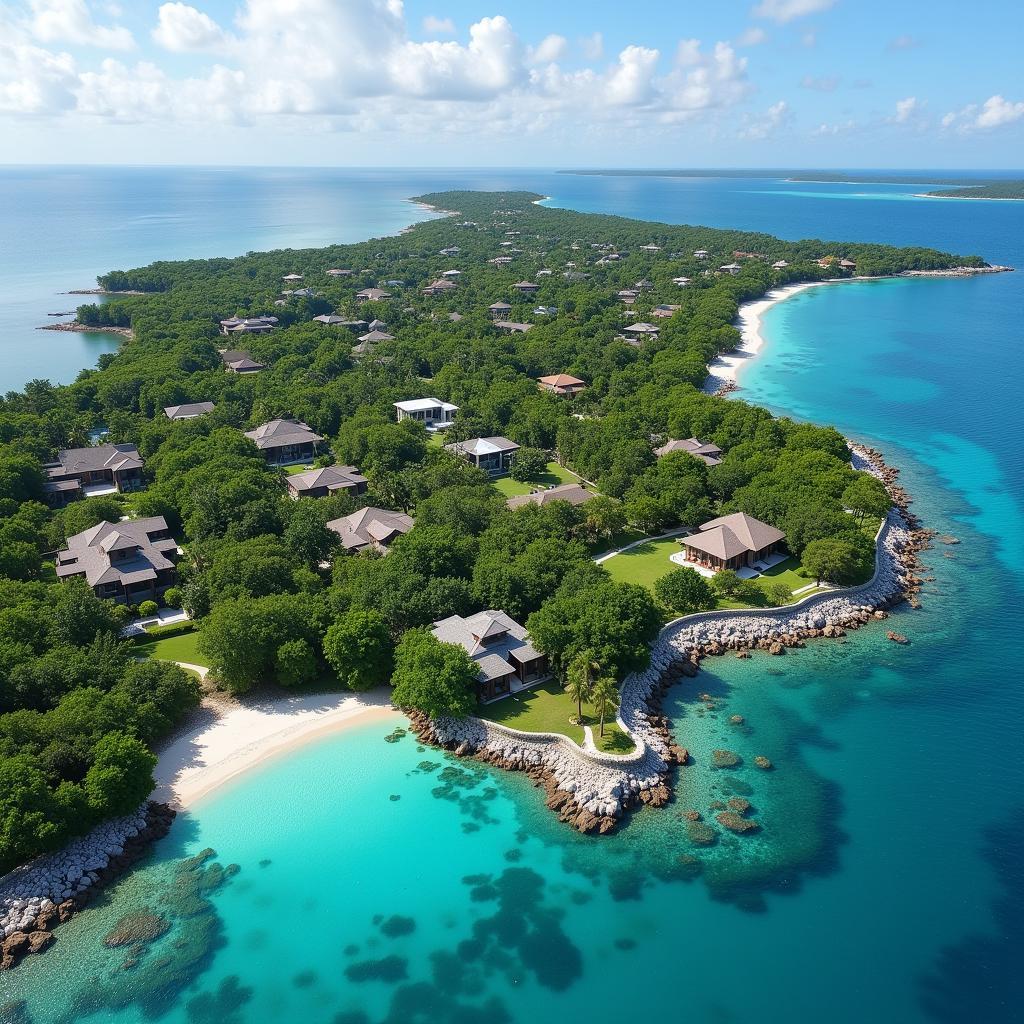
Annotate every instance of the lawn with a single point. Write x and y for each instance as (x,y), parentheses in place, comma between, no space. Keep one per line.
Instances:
(645,564)
(555,474)
(547,708)
(788,572)
(173,648)
(292,470)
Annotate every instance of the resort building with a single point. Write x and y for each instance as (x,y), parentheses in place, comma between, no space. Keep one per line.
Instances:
(574,494)
(499,310)
(189,411)
(374,337)
(732,542)
(250,325)
(493,455)
(291,278)
(283,441)
(665,310)
(319,483)
(85,472)
(731,268)
(431,412)
(709,453)
(239,361)
(372,295)
(127,562)
(440,286)
(506,660)
(335,272)
(682,282)
(512,327)
(526,287)
(331,320)
(545,311)
(700,254)
(780,265)
(371,528)
(565,385)
(846,264)
(643,285)
(641,330)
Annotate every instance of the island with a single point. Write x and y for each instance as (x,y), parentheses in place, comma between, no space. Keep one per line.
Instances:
(474,463)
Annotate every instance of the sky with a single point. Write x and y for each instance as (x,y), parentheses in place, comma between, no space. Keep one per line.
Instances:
(575,83)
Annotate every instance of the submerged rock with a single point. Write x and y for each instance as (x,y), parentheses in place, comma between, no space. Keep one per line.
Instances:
(735,822)
(139,927)
(762,762)
(724,759)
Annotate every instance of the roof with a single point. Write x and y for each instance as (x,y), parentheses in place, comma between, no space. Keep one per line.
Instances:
(334,478)
(482,446)
(278,433)
(239,359)
(330,318)
(187,411)
(88,553)
(499,305)
(525,284)
(642,328)
(562,380)
(372,294)
(511,325)
(575,494)
(424,404)
(115,457)
(373,336)
(707,452)
(490,638)
(736,534)
(368,525)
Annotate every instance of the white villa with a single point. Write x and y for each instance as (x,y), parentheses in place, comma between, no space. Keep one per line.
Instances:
(431,412)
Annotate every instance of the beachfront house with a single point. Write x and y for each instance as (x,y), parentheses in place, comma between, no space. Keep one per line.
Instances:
(707,453)
(86,472)
(565,385)
(127,562)
(732,542)
(237,360)
(285,441)
(431,412)
(189,411)
(319,483)
(500,647)
(780,265)
(370,528)
(494,455)
(574,494)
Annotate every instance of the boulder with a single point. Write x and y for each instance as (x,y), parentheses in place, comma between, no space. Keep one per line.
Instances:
(38,941)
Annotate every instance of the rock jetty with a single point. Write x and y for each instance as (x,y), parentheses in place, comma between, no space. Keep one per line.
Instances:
(593,792)
(50,889)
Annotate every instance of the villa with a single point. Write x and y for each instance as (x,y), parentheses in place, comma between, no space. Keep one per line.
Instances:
(373,295)
(506,660)
(731,268)
(282,441)
(708,453)
(330,319)
(189,411)
(780,265)
(239,361)
(319,483)
(732,542)
(374,528)
(562,384)
(127,562)
(642,330)
(512,327)
(574,494)
(493,455)
(335,272)
(700,254)
(440,286)
(250,325)
(526,287)
(664,310)
(292,278)
(375,336)
(85,472)
(431,412)
(499,310)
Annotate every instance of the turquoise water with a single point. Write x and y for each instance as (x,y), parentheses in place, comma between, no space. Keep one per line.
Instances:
(886,880)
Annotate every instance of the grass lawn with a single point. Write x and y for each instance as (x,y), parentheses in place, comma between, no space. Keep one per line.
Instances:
(547,708)
(555,474)
(645,564)
(788,572)
(173,648)
(292,470)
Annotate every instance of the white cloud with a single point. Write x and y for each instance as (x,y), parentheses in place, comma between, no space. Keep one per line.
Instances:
(550,48)
(593,46)
(632,80)
(763,127)
(905,109)
(838,128)
(995,112)
(825,84)
(184,29)
(70,21)
(32,79)
(787,10)
(753,36)
(435,26)
(688,53)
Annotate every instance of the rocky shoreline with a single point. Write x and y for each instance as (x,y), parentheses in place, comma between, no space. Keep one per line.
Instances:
(49,890)
(74,325)
(594,793)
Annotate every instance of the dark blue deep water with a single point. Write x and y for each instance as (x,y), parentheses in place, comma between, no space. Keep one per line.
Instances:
(887,883)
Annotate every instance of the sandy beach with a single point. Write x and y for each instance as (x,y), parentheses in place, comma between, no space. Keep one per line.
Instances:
(228,737)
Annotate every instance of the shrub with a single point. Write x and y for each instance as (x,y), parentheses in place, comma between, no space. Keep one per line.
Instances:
(148,609)
(173,597)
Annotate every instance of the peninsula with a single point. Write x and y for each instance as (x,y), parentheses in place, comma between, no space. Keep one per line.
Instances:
(421,462)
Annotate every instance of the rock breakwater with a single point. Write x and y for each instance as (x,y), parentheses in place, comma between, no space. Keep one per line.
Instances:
(50,889)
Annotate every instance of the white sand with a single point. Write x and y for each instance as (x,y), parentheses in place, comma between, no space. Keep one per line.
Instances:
(229,738)
(726,367)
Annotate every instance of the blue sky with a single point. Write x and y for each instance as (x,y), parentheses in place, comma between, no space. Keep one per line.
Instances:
(810,83)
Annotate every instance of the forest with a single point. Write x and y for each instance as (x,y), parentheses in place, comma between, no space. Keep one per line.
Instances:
(275,601)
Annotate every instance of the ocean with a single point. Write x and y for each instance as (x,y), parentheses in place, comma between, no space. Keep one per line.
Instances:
(887,880)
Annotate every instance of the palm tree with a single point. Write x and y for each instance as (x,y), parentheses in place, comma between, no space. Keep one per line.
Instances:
(605,698)
(579,679)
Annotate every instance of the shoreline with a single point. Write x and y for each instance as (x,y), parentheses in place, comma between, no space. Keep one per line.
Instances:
(75,327)
(230,738)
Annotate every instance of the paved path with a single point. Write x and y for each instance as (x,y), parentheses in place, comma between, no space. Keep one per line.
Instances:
(643,540)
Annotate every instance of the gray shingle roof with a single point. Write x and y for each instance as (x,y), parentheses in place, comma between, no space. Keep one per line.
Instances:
(361,528)
(187,411)
(114,457)
(334,478)
(89,552)
(278,433)
(575,494)
(490,638)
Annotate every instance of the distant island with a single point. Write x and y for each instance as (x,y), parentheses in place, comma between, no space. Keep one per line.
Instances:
(955,188)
